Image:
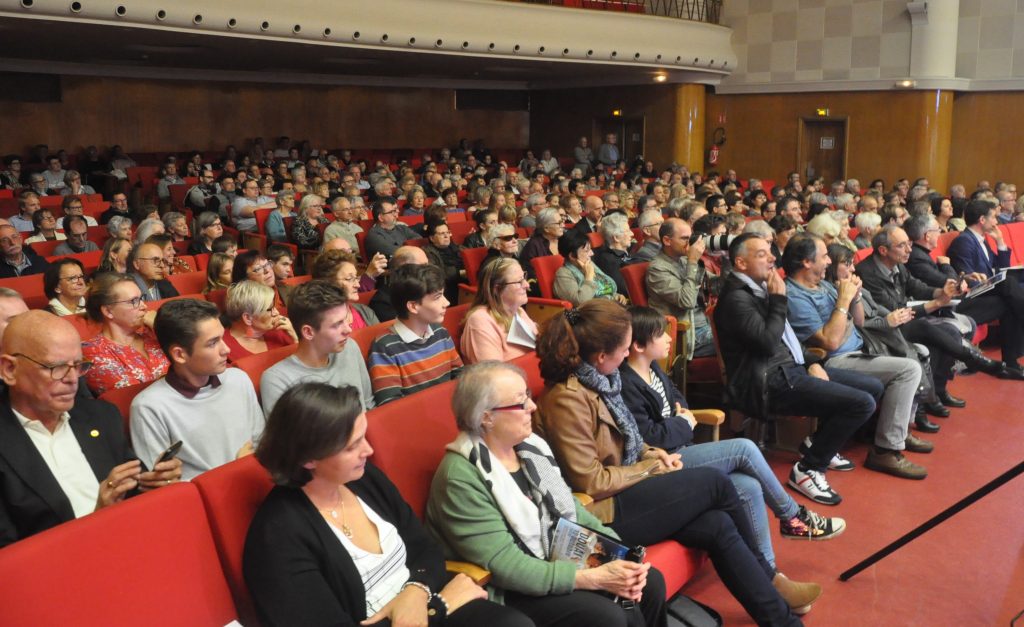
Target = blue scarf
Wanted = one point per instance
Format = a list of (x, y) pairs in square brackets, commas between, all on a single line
[(609, 388)]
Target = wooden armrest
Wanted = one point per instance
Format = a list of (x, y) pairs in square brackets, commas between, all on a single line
[(479, 575), (820, 353), (584, 499), (712, 417), (683, 326)]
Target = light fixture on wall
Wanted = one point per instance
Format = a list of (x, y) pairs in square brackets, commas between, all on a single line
[(905, 84), (660, 78)]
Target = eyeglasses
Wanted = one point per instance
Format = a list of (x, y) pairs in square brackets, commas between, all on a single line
[(215, 224), (515, 406), (263, 267), (133, 302), (60, 371), (156, 261), (387, 213), (522, 281), (73, 279), (507, 238)]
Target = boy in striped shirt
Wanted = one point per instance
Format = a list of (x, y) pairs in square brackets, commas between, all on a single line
[(417, 352)]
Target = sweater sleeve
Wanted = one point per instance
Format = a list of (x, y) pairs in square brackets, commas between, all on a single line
[(479, 342), (566, 287), (463, 512), (667, 433)]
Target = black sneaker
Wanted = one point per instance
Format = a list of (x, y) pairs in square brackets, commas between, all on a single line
[(809, 525), (837, 463)]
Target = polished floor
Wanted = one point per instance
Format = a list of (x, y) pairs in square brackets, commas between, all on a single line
[(968, 571)]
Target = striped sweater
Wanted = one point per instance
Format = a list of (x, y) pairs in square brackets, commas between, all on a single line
[(399, 368)]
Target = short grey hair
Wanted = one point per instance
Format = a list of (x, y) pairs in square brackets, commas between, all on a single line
[(114, 225), (247, 297), (307, 201), (533, 199), (613, 226), (546, 218), (146, 228), (817, 198), (6, 292), (844, 200), (648, 217), (674, 206), (882, 237), (823, 225), (867, 220), (171, 217), (496, 231), (761, 228), (475, 393)]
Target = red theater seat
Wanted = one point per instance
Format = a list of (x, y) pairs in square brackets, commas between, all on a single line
[(150, 561), (544, 268), (635, 276)]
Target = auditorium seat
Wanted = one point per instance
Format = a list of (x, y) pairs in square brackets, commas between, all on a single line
[(635, 276), (862, 254), (150, 560), (232, 494), (121, 398), (45, 249), (472, 259), (544, 269), (188, 282), (295, 280), (218, 298), (31, 289), (255, 365), (87, 329), (154, 305), (453, 318), (364, 337), (596, 239)]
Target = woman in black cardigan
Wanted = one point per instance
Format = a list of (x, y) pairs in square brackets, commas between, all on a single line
[(664, 421), (332, 509)]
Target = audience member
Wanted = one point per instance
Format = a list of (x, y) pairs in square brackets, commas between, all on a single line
[(118, 207), (18, 260), (28, 205), (768, 372), (381, 301), (148, 227), (44, 228), (674, 279), (579, 279), (243, 207), (416, 352), (477, 511), (116, 252), (149, 269), (211, 408), (593, 208), (387, 233), (445, 254), (618, 239), (254, 266), (254, 324), (307, 224), (218, 272), (77, 240), (319, 313), (208, 228), (496, 326), (65, 284), (642, 492), (339, 267), (72, 206), (125, 352), (344, 225), (650, 222), (176, 226), (316, 451)]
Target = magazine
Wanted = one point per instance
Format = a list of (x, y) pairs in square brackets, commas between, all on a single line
[(587, 548), (987, 285)]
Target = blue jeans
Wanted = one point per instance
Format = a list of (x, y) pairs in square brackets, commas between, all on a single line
[(754, 480), (841, 404)]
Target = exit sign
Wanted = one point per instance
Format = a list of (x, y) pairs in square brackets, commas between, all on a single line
[(821, 112)]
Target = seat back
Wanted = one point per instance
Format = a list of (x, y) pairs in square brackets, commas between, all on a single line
[(453, 318), (410, 462), (188, 282), (122, 398), (96, 568), (232, 494), (45, 249), (218, 298), (862, 254), (255, 365), (31, 289), (364, 337), (635, 276), (942, 245), (544, 269), (596, 239), (296, 280), (472, 259), (154, 305)]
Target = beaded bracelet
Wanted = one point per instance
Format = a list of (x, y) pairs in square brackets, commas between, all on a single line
[(422, 586)]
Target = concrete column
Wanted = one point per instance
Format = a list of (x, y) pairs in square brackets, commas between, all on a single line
[(688, 135), (934, 137), (933, 38)]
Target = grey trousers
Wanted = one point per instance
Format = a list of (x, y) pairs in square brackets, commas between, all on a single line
[(901, 377)]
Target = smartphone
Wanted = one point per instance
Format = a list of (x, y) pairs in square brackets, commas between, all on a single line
[(169, 454)]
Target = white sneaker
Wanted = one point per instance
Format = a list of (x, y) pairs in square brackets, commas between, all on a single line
[(813, 485), (837, 463)]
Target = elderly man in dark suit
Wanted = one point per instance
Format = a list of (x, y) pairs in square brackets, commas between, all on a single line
[(61, 457)]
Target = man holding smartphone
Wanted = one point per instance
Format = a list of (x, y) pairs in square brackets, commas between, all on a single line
[(61, 457)]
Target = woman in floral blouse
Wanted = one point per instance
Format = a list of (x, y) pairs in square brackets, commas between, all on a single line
[(125, 351), (305, 230)]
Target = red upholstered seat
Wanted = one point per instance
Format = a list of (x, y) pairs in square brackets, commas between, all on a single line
[(255, 365), (45, 249), (31, 289), (472, 259), (635, 276), (544, 268), (232, 493), (364, 337), (453, 318), (122, 398), (862, 254), (188, 282), (147, 561)]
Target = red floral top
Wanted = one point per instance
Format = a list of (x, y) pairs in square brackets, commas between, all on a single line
[(116, 366)]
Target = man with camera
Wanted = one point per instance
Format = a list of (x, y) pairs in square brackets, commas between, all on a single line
[(674, 278)]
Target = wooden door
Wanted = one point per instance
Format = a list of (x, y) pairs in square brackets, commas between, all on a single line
[(822, 148), (630, 133)]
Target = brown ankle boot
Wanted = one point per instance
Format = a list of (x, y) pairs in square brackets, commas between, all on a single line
[(799, 596)]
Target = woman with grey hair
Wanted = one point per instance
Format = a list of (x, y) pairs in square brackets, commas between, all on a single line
[(478, 512), (305, 230), (502, 241), (149, 226), (208, 228), (255, 325), (120, 226), (615, 253), (761, 228), (275, 221), (544, 241), (867, 223)]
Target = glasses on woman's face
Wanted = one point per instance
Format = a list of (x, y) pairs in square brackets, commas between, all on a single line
[(75, 278), (266, 266), (521, 281), (132, 302), (520, 406), (507, 238)]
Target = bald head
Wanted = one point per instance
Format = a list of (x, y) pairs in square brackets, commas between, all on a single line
[(32, 331), (338, 243), (39, 337), (10, 306), (408, 254), (148, 262), (594, 208)]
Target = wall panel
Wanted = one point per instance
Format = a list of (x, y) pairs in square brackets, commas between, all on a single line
[(154, 116), (987, 138), (889, 137)]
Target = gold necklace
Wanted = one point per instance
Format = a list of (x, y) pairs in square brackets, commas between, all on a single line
[(333, 511)]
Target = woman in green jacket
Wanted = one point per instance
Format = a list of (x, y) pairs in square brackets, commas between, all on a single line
[(495, 501)]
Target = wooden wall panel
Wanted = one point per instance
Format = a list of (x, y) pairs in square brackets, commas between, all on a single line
[(890, 132), (558, 118), (987, 138), (153, 116)]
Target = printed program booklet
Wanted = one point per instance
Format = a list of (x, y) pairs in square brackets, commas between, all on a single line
[(587, 548)]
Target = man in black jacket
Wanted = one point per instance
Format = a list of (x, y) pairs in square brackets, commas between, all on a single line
[(768, 371), (61, 457), (18, 258)]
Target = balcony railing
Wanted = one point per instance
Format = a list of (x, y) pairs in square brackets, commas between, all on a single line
[(709, 11)]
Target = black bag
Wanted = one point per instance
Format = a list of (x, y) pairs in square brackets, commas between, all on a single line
[(686, 612)]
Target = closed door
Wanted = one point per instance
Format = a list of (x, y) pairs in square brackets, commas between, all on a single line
[(822, 149), (629, 134)]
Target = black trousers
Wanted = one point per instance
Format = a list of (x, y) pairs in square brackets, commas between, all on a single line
[(483, 612), (585, 608), (1006, 304), (945, 344), (699, 507)]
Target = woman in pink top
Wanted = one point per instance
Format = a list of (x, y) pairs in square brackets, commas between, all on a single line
[(339, 267), (498, 311), (125, 351), (256, 325)]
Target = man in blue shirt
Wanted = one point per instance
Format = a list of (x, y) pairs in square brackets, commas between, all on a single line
[(826, 317)]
